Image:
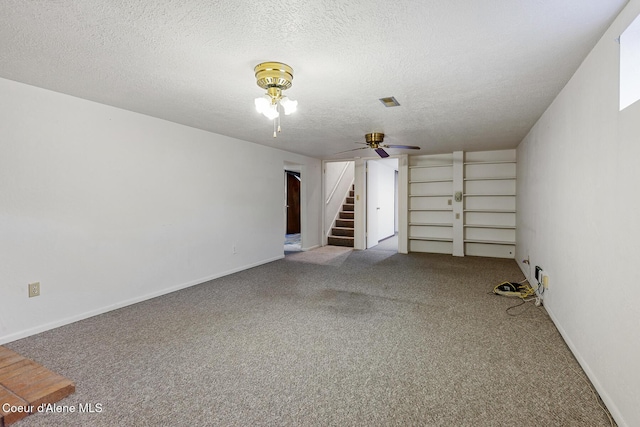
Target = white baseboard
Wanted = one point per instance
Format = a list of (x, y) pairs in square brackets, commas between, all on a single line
[(72, 319), (615, 413)]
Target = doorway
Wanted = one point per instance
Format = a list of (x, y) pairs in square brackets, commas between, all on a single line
[(293, 235), (382, 204)]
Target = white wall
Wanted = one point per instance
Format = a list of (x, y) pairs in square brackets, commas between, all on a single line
[(105, 207), (579, 219)]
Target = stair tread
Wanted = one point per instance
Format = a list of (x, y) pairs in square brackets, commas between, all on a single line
[(341, 241), (342, 231)]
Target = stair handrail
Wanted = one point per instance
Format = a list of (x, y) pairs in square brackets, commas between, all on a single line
[(335, 186)]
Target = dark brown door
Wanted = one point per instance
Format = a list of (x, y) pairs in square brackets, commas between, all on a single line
[(293, 202)]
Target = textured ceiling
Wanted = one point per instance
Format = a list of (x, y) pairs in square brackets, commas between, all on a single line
[(469, 74)]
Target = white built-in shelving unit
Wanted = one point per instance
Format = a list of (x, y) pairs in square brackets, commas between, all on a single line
[(490, 203), (430, 204), (488, 206)]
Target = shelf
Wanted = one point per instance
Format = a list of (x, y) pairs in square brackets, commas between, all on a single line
[(432, 239), (489, 191), (490, 242), (503, 227), (432, 166), (491, 178), (422, 181), (494, 162), (431, 224), (491, 210), (489, 195)]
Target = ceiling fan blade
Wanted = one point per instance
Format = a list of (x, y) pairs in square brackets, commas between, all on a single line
[(381, 153), (355, 149), (406, 147)]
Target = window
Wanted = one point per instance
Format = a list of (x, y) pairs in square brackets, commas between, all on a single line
[(630, 64)]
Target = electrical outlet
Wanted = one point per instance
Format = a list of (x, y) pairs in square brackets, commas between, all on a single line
[(34, 289), (538, 274), (234, 249)]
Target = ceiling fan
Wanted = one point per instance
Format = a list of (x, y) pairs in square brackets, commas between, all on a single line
[(374, 141)]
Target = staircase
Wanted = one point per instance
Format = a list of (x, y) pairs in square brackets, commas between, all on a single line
[(342, 231)]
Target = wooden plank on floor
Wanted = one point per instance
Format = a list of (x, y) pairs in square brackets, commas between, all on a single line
[(29, 384), (8, 357), (15, 370), (50, 389), (8, 417), (29, 375)]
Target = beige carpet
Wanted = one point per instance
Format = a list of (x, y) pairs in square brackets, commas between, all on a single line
[(358, 338), (326, 255)]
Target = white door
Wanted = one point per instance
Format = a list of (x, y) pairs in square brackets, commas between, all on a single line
[(373, 208), (386, 197)]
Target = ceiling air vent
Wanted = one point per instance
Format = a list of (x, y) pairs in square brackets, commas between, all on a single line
[(390, 102)]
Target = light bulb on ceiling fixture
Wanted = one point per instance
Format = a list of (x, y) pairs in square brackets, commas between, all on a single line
[(262, 103), (271, 112), (289, 105), (274, 77), (266, 107)]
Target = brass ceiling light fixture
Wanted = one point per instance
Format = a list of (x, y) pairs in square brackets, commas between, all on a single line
[(275, 77), (374, 140)]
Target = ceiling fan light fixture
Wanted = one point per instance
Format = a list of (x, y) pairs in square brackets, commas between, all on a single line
[(374, 138), (262, 103), (265, 107), (274, 77), (290, 106), (273, 74)]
